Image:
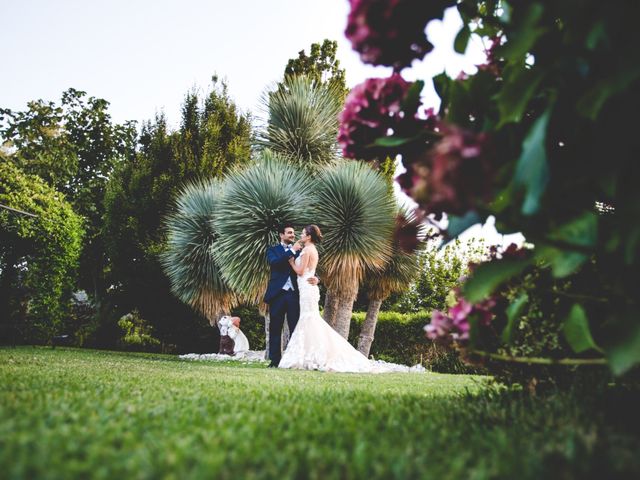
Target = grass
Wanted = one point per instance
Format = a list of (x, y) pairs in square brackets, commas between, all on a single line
[(68, 413)]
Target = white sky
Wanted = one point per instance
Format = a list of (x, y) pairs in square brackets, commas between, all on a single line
[(143, 56)]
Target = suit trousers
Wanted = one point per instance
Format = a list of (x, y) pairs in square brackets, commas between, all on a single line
[(287, 302)]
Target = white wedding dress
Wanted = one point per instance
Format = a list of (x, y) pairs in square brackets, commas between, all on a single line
[(315, 345)]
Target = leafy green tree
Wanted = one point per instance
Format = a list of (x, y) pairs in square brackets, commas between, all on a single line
[(36, 142), (440, 270), (39, 253), (213, 137), (321, 66), (74, 147)]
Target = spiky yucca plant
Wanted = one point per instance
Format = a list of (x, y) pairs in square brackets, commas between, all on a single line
[(257, 200), (395, 277), (188, 259), (302, 123), (356, 213)]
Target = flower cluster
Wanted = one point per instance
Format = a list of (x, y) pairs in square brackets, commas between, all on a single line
[(512, 252), (455, 325), (453, 176), (392, 32), (371, 110)]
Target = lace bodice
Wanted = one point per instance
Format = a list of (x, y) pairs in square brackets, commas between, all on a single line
[(308, 272), (309, 294)]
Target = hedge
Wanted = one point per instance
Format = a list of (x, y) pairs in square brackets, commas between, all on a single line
[(399, 338)]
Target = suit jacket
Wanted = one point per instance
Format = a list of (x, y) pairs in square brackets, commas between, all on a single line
[(278, 259)]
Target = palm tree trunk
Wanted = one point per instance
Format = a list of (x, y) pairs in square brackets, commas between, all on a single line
[(266, 334), (284, 339), (330, 308), (369, 327), (344, 311)]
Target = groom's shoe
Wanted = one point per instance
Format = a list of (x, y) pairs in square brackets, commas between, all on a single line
[(273, 365)]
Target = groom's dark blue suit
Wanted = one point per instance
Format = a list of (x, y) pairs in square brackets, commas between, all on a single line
[(281, 302)]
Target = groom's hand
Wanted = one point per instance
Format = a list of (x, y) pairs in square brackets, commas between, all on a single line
[(313, 280)]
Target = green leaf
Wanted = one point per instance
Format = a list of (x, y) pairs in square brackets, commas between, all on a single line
[(411, 100), (462, 39), (625, 353), (488, 276), (532, 170), (525, 35), (514, 311), (592, 102), (392, 141), (441, 84), (582, 231), (460, 103), (520, 84), (576, 330), (562, 262), (597, 35), (503, 199), (457, 225), (631, 246), (468, 9)]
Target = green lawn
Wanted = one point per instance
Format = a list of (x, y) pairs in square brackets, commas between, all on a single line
[(69, 413)]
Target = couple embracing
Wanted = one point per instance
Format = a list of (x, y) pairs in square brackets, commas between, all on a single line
[(293, 292)]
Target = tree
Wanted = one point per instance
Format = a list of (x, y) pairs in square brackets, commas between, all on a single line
[(74, 147), (212, 139), (394, 277), (39, 253), (256, 202), (303, 122), (356, 214), (189, 259), (321, 66)]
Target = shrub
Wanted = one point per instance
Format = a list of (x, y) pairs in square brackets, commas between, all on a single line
[(83, 320), (400, 339), (440, 271), (520, 333), (38, 256), (537, 331), (138, 334)]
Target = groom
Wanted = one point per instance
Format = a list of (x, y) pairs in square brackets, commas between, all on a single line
[(282, 292)]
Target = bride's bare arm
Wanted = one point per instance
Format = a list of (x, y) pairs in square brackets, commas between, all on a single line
[(304, 262)]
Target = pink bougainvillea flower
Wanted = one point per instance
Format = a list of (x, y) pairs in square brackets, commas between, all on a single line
[(440, 326), (453, 176), (392, 32), (371, 110), (455, 324)]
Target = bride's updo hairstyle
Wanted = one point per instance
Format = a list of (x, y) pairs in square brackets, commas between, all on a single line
[(314, 232)]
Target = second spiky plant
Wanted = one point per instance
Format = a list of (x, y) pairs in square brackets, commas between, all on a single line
[(189, 260)]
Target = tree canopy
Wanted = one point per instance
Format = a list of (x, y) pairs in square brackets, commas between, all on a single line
[(39, 255)]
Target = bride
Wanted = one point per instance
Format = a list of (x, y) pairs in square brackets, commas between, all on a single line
[(314, 344)]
